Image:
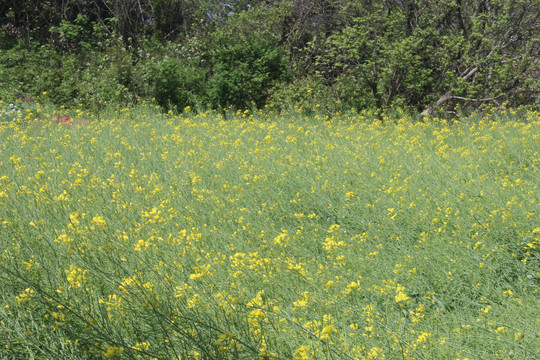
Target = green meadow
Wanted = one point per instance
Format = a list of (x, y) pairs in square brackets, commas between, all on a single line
[(139, 235)]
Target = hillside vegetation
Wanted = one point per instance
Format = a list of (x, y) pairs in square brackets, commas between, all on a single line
[(424, 56)]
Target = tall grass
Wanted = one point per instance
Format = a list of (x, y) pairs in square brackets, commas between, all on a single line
[(141, 235)]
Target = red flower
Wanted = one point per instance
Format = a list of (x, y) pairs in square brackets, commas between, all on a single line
[(66, 120)]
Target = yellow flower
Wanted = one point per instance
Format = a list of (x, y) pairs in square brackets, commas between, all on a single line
[(303, 353), (199, 272), (141, 346), (302, 303), (486, 309), (376, 353), (99, 221), (75, 276), (327, 331), (256, 313), (112, 351), (401, 297)]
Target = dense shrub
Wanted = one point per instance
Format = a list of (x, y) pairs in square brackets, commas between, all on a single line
[(174, 85), (245, 67), (304, 94)]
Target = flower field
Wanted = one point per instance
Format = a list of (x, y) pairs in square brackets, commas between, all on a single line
[(139, 235)]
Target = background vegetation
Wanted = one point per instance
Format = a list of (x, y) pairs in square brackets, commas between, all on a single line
[(339, 54)]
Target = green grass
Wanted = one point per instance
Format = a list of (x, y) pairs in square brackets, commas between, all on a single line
[(142, 235)]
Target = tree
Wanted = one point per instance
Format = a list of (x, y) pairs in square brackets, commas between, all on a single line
[(491, 51), (427, 54)]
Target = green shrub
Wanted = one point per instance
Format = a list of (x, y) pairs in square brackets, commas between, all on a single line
[(169, 79), (244, 70), (303, 95)]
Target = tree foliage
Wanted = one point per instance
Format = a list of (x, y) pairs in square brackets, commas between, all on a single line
[(363, 54)]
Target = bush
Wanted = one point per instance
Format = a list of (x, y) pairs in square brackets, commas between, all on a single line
[(312, 93), (244, 70), (169, 84), (303, 94)]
